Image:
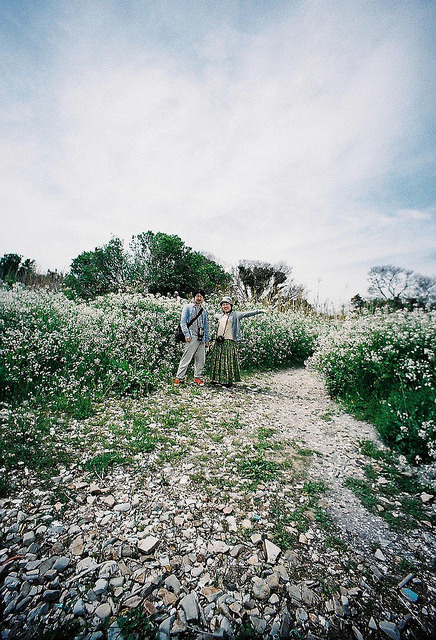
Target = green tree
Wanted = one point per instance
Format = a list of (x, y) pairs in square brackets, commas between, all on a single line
[(94, 273), (14, 268), (164, 264)]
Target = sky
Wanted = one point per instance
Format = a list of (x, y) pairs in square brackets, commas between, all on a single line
[(272, 130)]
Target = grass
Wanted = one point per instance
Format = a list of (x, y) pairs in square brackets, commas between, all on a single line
[(314, 487), (100, 464), (372, 450), (302, 517), (258, 470), (230, 426), (27, 437), (136, 625), (4, 487)]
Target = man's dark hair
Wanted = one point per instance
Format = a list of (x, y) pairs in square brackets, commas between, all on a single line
[(200, 291)]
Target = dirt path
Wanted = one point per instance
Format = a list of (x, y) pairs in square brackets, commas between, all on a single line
[(296, 404)]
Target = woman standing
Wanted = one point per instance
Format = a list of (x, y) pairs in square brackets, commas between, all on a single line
[(224, 365)]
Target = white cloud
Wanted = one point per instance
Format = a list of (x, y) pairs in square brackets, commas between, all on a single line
[(416, 214), (267, 147)]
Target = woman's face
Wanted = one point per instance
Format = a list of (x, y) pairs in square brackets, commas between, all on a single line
[(226, 307)]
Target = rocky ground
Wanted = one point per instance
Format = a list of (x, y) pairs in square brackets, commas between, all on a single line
[(215, 513)]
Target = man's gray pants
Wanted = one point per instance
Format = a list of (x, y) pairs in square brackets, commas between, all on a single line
[(194, 349)]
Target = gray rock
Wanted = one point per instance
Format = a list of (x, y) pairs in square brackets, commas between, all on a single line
[(50, 576), (280, 571), (51, 595), (133, 601), (11, 606), (148, 545), (218, 546), (47, 566), (117, 582), (196, 572), (272, 551), (211, 593), (357, 633), (261, 590), (22, 604), (100, 587), (189, 605), (108, 569), (123, 507), (114, 632), (426, 497), (390, 629), (301, 615), (165, 628), (103, 611), (407, 579), (236, 550), (77, 546), (372, 624), (28, 538), (12, 583), (38, 612), (79, 608), (273, 581), (258, 623), (172, 583), (61, 564), (376, 571), (86, 564)]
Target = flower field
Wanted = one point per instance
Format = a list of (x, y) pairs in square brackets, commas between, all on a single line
[(59, 351), (382, 366), (63, 356)]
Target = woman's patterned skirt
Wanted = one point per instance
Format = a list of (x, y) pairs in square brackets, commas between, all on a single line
[(223, 363)]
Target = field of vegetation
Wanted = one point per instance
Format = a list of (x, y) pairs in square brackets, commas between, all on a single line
[(60, 357)]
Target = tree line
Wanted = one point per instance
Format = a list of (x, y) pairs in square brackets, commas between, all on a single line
[(158, 263), (163, 264)]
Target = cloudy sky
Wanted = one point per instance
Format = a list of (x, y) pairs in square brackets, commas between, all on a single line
[(275, 130)]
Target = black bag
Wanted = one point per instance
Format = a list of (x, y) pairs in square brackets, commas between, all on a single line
[(179, 335)]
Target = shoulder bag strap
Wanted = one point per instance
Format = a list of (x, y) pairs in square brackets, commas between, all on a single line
[(192, 320)]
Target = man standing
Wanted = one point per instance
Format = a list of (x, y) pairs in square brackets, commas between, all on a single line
[(195, 328)]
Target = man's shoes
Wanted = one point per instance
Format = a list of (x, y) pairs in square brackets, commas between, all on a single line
[(199, 382), (178, 381)]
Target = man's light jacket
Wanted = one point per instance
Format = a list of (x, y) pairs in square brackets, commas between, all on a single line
[(189, 311)]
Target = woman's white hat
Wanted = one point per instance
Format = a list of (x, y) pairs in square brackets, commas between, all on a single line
[(227, 299)]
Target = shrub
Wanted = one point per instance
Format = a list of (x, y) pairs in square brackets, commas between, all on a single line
[(275, 340), (383, 367)]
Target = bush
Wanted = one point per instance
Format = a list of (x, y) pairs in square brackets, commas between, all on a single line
[(62, 352), (383, 367), (274, 340)]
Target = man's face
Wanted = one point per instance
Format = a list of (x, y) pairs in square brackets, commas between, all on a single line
[(198, 298)]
